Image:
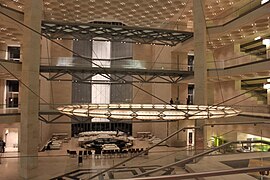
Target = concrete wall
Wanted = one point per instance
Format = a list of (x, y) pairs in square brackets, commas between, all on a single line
[(228, 131), (61, 91), (228, 90)]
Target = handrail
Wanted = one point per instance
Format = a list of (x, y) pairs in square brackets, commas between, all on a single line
[(183, 161), (234, 17), (208, 174), (189, 159)]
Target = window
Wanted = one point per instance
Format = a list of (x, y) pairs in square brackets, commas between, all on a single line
[(190, 62), (190, 94), (13, 53), (12, 93)]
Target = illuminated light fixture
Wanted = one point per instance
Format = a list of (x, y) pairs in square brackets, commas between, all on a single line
[(264, 1), (267, 85), (148, 111), (257, 38), (266, 42)]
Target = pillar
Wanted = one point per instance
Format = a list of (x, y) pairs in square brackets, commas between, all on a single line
[(3, 50), (200, 66), (29, 136)]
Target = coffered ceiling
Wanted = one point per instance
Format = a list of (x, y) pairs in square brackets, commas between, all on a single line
[(172, 14), (154, 13)]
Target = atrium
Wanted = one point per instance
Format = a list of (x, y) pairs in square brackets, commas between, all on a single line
[(129, 89)]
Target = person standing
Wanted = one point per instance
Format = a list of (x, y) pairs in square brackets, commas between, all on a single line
[(177, 102), (2, 146), (171, 101)]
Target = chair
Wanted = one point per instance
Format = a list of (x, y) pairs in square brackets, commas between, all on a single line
[(105, 153), (80, 160), (97, 153), (85, 154), (125, 152), (73, 153), (117, 153), (89, 153), (80, 153)]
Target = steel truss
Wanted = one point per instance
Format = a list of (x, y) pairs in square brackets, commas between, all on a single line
[(112, 75), (110, 32)]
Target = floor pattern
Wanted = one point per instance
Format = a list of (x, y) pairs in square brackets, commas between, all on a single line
[(121, 172)]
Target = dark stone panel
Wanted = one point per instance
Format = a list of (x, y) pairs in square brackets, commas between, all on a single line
[(121, 93), (81, 93)]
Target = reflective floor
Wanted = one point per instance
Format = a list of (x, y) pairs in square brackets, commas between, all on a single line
[(54, 164), (57, 164)]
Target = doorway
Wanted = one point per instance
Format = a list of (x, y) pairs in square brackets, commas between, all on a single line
[(190, 137), (11, 138)]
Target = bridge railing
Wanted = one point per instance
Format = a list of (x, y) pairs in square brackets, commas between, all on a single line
[(124, 62)]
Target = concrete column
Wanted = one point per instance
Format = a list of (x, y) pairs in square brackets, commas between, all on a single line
[(3, 49), (200, 66), (29, 136)]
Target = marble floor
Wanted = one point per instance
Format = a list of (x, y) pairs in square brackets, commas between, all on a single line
[(54, 164)]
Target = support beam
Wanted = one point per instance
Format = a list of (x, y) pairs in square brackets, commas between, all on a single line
[(200, 68), (29, 90)]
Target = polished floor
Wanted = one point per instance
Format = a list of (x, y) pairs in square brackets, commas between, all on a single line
[(54, 164)]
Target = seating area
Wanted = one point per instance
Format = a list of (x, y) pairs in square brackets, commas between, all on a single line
[(55, 143), (106, 153), (94, 135)]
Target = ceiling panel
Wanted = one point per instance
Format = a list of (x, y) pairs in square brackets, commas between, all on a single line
[(151, 13)]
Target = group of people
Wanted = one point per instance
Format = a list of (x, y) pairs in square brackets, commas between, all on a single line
[(2, 146), (177, 102)]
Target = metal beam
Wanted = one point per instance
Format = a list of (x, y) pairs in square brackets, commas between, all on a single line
[(118, 33), (124, 75)]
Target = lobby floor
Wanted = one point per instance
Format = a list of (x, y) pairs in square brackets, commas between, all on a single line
[(56, 163)]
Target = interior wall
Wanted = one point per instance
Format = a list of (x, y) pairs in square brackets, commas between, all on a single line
[(229, 89), (228, 131), (3, 127), (121, 93), (145, 53), (61, 91), (81, 92)]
